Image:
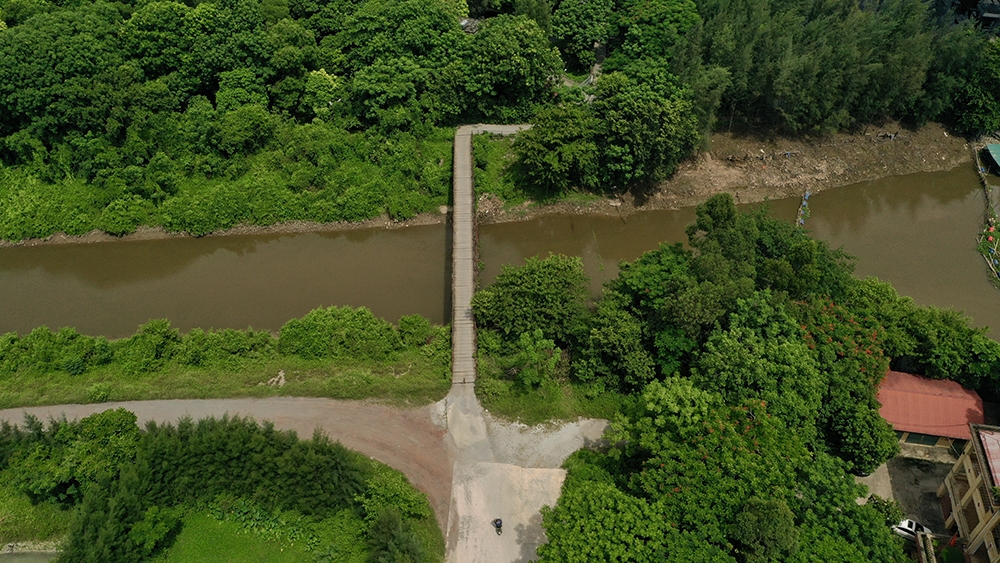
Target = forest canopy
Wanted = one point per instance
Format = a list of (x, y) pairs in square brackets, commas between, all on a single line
[(746, 367), (198, 116)]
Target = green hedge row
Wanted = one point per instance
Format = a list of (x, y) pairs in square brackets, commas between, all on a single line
[(335, 332)]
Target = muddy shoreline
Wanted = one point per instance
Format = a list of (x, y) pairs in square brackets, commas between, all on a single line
[(752, 169)]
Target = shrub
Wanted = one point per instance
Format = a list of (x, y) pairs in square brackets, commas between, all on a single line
[(147, 350), (390, 489), (43, 350), (122, 216), (339, 332), (548, 294), (414, 330)]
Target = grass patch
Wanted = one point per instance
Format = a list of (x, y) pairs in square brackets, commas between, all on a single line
[(579, 198), (207, 539), (412, 378), (22, 521), (555, 399), (493, 156)]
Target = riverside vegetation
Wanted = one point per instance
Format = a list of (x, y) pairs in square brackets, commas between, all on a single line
[(129, 495), (199, 116), (337, 352), (741, 378)]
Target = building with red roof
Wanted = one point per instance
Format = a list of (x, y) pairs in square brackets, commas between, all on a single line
[(928, 411)]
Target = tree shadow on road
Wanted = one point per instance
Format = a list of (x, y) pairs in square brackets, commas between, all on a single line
[(530, 535)]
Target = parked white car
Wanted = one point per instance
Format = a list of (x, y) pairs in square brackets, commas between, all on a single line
[(908, 529)]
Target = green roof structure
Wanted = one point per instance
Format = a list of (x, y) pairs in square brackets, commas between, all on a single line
[(994, 151)]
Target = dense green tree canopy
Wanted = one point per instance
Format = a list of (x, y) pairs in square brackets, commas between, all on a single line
[(200, 117), (693, 477), (547, 294), (747, 367)]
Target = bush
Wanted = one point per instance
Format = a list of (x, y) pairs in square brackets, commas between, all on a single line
[(414, 330), (122, 216), (339, 332), (548, 294), (225, 347), (390, 489), (147, 350), (45, 351)]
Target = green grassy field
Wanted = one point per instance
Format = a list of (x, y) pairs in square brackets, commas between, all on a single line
[(412, 378), (206, 539), (22, 521), (556, 399)]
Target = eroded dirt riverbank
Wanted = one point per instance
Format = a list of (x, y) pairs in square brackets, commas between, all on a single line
[(755, 169), (752, 169)]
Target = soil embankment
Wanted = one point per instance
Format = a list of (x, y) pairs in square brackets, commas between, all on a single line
[(756, 169), (752, 169)]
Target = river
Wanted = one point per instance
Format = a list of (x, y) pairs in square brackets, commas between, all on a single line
[(916, 231)]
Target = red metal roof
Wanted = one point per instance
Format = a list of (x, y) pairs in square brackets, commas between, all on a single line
[(938, 407)]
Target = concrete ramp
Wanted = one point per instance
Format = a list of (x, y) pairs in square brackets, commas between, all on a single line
[(482, 491)]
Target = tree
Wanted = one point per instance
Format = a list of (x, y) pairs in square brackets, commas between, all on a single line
[(613, 352), (155, 36), (762, 356), (866, 439), (534, 363), (322, 92), (579, 25), (425, 31), (548, 294), (510, 67), (849, 352), (979, 105), (596, 522), (238, 88), (48, 69), (765, 531), (538, 10), (559, 153), (652, 30), (393, 540), (78, 456), (647, 128), (387, 93)]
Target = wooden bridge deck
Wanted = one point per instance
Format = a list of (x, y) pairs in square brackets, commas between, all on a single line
[(463, 325)]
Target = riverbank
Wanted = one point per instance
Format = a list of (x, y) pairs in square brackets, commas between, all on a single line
[(757, 169), (752, 169)]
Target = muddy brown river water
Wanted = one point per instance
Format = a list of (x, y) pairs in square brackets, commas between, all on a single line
[(916, 231)]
